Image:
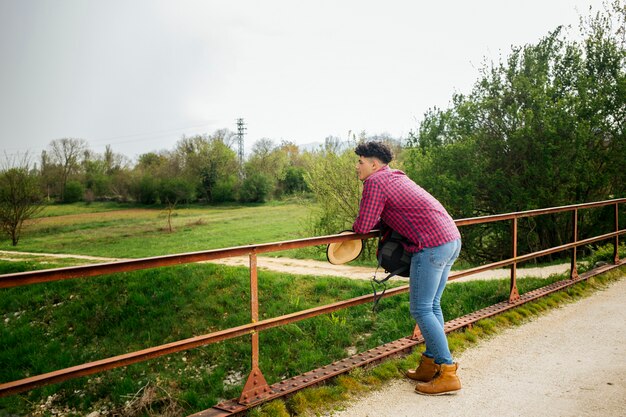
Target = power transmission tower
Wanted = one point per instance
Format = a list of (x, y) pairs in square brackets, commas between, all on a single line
[(240, 132)]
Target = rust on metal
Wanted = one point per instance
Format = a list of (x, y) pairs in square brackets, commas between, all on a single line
[(307, 379), (573, 265), (616, 242), (84, 271), (256, 388), (514, 293), (90, 368)]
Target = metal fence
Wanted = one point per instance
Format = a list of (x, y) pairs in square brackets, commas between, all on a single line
[(256, 388)]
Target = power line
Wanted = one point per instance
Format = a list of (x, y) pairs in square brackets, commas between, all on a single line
[(240, 133)]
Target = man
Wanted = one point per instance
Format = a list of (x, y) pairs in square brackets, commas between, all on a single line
[(391, 199)]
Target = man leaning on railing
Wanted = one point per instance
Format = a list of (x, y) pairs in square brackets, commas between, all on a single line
[(392, 200)]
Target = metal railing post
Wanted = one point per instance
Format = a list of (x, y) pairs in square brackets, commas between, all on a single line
[(256, 388), (616, 243), (573, 267), (514, 293)]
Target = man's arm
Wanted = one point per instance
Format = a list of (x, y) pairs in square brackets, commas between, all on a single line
[(370, 209)]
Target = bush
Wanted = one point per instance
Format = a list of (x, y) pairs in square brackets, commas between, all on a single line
[(604, 254), (148, 191), (294, 181), (74, 191), (255, 189), (224, 190), (176, 190)]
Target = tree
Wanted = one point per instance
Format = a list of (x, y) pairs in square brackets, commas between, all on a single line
[(210, 163), (20, 200), (172, 191), (268, 159), (543, 128), (255, 188), (66, 153), (331, 177)]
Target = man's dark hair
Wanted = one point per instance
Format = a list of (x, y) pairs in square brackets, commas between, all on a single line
[(377, 150)]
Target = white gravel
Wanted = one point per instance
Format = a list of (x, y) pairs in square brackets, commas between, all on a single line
[(569, 362)]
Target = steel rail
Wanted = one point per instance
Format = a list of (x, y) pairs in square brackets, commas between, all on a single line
[(185, 344), (56, 274), (533, 255), (251, 328), (398, 347), (83, 271), (535, 212)]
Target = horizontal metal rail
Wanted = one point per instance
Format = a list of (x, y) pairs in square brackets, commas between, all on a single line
[(536, 212), (186, 344), (33, 277), (84, 271)]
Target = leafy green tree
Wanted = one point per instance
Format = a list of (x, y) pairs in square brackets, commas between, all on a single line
[(208, 161), (331, 177), (544, 128), (74, 192), (146, 189), (268, 159), (66, 154), (20, 200), (255, 188), (97, 181), (294, 181)]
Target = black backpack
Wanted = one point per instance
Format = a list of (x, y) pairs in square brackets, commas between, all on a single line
[(391, 255)]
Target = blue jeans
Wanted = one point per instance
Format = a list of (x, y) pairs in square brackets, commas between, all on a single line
[(429, 274)]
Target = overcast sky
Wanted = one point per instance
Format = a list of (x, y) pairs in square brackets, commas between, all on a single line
[(139, 74)]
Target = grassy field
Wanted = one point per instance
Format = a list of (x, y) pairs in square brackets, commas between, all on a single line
[(112, 231)]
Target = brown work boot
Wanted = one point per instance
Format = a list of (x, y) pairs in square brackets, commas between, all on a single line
[(445, 382), (425, 371)]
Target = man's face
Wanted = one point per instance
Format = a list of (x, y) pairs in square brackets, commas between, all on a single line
[(366, 167)]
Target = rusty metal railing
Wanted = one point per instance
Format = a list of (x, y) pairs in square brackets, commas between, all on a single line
[(256, 388)]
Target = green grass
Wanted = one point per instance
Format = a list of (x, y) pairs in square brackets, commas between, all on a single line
[(106, 230)]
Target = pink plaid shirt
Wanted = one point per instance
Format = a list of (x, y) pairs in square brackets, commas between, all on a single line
[(393, 198)]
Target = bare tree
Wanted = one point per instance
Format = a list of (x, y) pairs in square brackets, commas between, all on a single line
[(20, 197), (66, 153)]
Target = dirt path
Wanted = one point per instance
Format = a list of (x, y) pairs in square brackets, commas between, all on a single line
[(311, 267), (569, 362), (318, 268)]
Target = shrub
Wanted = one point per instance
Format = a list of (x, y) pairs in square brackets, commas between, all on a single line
[(74, 191), (255, 189)]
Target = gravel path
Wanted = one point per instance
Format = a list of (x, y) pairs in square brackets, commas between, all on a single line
[(317, 268), (569, 362)]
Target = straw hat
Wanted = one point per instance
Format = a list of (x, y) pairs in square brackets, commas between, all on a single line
[(346, 251)]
